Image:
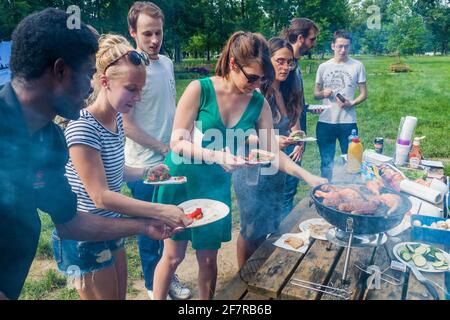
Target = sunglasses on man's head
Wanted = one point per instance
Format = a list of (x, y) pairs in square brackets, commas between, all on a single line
[(251, 78), (134, 57)]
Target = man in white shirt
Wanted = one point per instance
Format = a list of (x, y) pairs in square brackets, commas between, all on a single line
[(336, 83), (148, 126)]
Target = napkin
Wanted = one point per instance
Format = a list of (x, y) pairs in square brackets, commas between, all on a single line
[(302, 235)]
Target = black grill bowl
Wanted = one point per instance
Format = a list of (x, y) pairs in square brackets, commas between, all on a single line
[(362, 224)]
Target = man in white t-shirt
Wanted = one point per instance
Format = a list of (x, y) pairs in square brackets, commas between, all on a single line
[(148, 126), (336, 83)]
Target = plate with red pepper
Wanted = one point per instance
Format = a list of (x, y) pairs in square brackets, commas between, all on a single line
[(204, 211)]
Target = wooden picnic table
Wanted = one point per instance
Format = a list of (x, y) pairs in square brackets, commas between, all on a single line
[(268, 273)]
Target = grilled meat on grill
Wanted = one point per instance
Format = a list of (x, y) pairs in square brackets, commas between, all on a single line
[(359, 199)]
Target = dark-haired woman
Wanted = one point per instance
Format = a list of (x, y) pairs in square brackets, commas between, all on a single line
[(260, 204), (224, 108)]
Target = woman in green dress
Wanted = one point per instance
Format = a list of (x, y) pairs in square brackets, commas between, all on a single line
[(225, 108)]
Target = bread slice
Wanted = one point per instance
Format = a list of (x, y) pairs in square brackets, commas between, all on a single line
[(298, 135), (294, 242)]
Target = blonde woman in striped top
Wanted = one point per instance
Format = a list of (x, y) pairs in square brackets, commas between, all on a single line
[(96, 170)]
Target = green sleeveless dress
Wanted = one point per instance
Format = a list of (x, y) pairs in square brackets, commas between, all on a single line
[(208, 181)]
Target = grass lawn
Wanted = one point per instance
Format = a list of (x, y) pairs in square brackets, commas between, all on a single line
[(423, 93)]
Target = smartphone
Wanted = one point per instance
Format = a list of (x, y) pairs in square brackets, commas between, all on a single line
[(340, 97)]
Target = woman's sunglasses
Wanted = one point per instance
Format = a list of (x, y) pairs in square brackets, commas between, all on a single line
[(251, 78), (134, 57)]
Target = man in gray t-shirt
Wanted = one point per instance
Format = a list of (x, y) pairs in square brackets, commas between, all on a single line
[(336, 83), (148, 126)]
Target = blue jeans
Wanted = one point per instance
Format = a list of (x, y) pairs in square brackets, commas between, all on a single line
[(290, 187), (327, 134), (150, 250)]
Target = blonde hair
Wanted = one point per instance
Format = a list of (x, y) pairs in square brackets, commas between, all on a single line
[(111, 47)]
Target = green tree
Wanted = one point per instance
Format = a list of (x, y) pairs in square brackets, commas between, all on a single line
[(11, 13), (436, 14), (407, 32), (369, 21)]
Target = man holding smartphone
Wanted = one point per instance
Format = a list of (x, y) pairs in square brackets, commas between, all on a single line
[(336, 82)]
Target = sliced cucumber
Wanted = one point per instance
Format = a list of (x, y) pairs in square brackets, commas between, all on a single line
[(444, 267), (430, 257), (433, 250), (419, 260), (439, 263), (423, 249), (402, 249), (406, 256), (440, 256), (411, 248)]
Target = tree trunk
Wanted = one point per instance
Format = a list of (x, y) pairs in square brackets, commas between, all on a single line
[(178, 53), (98, 10)]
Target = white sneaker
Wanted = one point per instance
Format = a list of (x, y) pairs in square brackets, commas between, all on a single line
[(177, 290), (150, 295)]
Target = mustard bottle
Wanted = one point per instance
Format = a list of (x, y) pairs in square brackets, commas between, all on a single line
[(354, 156)]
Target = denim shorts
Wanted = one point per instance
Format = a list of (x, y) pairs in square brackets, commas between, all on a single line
[(77, 258)]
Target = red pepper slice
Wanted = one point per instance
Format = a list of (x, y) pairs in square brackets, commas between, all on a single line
[(196, 215)]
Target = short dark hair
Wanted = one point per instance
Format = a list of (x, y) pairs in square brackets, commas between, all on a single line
[(43, 37), (343, 34), (299, 26)]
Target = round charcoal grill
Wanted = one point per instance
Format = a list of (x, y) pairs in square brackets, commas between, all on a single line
[(352, 225), (363, 224)]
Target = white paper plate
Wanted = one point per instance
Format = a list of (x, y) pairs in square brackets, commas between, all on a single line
[(172, 180), (258, 163), (430, 268), (303, 235), (318, 106), (307, 224), (307, 139), (212, 210)]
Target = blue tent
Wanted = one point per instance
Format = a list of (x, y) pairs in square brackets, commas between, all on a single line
[(5, 54)]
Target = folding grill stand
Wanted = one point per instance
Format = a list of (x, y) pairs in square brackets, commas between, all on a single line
[(348, 229)]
